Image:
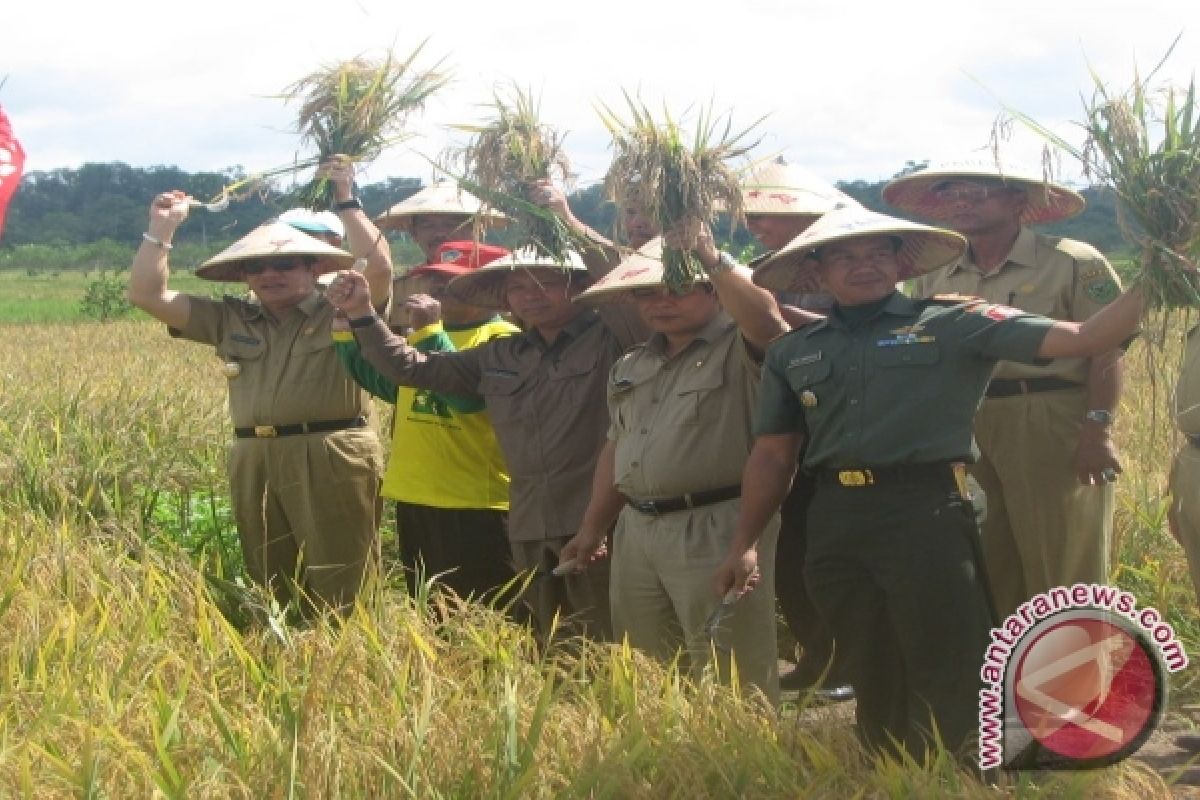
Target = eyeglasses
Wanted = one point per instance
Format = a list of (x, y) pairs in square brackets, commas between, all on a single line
[(647, 293), (972, 194), (259, 267)]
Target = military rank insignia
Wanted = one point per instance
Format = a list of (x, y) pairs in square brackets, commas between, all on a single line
[(808, 399)]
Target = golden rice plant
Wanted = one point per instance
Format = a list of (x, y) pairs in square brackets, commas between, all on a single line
[(357, 108), (505, 157), (1143, 142), (675, 179)]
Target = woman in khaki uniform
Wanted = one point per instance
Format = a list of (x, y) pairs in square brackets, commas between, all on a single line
[(305, 464)]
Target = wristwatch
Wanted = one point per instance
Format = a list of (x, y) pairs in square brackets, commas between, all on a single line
[(346, 205), (1099, 415), (725, 263), (363, 322)]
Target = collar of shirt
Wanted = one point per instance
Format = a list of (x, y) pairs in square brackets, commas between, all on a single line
[(721, 322), (572, 330), (1023, 253), (897, 305)]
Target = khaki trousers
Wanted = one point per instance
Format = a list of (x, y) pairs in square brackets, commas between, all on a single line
[(662, 595), (580, 602), (1185, 506), (1043, 528), (308, 509)]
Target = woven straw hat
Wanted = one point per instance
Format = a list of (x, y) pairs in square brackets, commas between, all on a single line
[(777, 187), (272, 240), (484, 287), (641, 269), (442, 197), (314, 222), (1046, 201), (923, 249)]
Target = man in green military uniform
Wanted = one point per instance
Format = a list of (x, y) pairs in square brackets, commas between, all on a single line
[(1047, 460), (884, 392), (305, 464), (668, 476)]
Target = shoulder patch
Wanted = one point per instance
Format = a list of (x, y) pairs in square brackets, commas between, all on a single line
[(1102, 290), (1000, 313)]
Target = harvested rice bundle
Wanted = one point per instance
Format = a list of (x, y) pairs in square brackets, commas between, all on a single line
[(505, 157), (1144, 143), (674, 179), (357, 108)]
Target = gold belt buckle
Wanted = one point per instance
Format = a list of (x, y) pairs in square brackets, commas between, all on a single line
[(960, 480), (856, 477), (265, 432)]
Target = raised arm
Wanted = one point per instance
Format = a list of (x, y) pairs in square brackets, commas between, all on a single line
[(753, 308), (363, 238), (1105, 330), (150, 271)]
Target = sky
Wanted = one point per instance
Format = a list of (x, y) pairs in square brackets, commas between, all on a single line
[(851, 90)]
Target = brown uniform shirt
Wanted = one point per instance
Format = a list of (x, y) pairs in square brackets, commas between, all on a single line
[(546, 403), (1187, 389), (287, 369), (682, 424), (1057, 278)]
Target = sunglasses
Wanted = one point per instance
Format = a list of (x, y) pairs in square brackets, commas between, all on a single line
[(259, 267), (647, 293)]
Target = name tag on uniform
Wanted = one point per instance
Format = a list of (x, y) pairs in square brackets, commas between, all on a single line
[(904, 339), (244, 339), (811, 358), (500, 373)]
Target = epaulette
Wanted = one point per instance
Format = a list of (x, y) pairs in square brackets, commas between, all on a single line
[(954, 298)]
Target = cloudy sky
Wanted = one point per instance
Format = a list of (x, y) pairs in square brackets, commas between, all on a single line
[(850, 89)]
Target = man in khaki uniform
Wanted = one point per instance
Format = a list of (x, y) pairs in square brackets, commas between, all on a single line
[(305, 464), (543, 390), (1043, 430), (669, 474), (1184, 512)]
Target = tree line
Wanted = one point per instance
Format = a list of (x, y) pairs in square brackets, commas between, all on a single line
[(93, 215)]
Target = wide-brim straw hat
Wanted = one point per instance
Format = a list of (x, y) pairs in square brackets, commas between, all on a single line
[(443, 197), (272, 240), (922, 248), (314, 222), (641, 269), (1045, 201), (484, 287), (777, 187)]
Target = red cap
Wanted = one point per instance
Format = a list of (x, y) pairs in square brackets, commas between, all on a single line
[(459, 258)]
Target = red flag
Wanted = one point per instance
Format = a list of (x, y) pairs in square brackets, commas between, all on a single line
[(12, 162)]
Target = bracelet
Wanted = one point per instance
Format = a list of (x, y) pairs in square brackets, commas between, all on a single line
[(157, 241), (346, 205), (363, 322)]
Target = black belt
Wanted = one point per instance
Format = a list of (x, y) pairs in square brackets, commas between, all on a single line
[(667, 505), (1008, 388), (325, 426), (885, 476), (1194, 438)]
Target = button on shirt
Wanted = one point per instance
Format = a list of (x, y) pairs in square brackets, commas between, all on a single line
[(287, 368), (901, 387), (1057, 278), (681, 423), (546, 403)]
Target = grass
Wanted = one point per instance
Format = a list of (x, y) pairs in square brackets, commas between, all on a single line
[(125, 673), (55, 295)]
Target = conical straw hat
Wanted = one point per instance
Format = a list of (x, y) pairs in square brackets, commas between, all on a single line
[(443, 197), (777, 187), (1046, 201), (484, 287), (641, 269), (923, 249), (272, 240)]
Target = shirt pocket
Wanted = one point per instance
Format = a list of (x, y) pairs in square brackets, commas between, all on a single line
[(698, 399), (313, 359), (810, 383), (244, 350), (499, 389)]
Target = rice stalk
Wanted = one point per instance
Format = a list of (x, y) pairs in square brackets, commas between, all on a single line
[(357, 108), (506, 156), (673, 178), (1143, 142)]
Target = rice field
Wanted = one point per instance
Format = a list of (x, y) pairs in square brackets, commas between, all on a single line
[(132, 664)]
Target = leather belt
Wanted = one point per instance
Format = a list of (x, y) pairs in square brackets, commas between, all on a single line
[(858, 477), (325, 426), (667, 505), (1194, 438), (1005, 387)]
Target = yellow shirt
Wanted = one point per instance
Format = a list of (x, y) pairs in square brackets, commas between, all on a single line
[(442, 457)]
